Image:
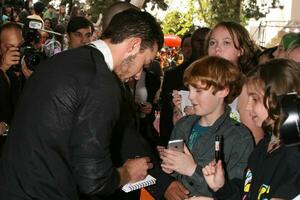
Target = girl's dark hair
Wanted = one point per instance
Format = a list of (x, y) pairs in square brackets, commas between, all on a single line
[(187, 35), (276, 77)]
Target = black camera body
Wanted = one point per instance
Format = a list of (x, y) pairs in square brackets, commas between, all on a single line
[(289, 129), (32, 56)]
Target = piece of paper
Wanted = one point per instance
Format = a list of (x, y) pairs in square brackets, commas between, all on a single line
[(184, 100)]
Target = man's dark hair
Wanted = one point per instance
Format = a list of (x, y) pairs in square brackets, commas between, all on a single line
[(10, 25), (133, 23), (78, 22), (23, 16), (38, 8)]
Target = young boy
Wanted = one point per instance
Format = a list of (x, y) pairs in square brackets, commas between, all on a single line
[(213, 83)]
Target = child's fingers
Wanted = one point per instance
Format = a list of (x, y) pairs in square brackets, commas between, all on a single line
[(206, 171), (186, 150)]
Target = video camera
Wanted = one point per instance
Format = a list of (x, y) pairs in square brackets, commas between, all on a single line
[(32, 56), (290, 130)]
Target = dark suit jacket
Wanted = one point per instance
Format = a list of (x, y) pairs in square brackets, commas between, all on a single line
[(9, 94), (6, 107), (60, 135), (6, 104), (172, 81)]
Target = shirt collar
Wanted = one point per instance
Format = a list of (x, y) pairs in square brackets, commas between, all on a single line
[(104, 49)]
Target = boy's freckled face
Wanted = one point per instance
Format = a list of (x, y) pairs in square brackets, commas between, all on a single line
[(204, 101)]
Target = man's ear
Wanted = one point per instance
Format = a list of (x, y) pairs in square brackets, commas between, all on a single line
[(134, 45)]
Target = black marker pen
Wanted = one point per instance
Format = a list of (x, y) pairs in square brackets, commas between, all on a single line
[(217, 148)]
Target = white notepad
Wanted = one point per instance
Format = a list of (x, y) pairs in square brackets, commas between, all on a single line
[(149, 180)]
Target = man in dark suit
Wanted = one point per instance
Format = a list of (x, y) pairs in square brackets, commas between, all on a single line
[(127, 140), (60, 137)]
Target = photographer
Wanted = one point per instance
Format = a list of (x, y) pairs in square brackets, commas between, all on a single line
[(10, 81), (19, 55)]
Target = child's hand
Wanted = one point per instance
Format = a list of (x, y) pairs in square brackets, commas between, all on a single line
[(166, 170), (160, 149), (189, 110), (181, 162), (176, 99), (177, 115), (214, 175)]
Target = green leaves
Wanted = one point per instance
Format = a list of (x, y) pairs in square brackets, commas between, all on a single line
[(177, 23)]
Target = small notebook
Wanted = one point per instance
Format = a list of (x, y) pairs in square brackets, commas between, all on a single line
[(149, 180)]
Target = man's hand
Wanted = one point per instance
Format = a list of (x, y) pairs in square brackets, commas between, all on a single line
[(25, 70), (160, 150), (134, 170), (10, 57), (214, 175), (176, 191)]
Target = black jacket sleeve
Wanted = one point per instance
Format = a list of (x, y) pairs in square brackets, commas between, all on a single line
[(232, 190), (97, 115)]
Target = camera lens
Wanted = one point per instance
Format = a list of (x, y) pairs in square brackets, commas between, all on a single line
[(35, 59)]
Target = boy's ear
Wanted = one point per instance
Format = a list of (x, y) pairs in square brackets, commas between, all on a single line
[(223, 93), (134, 45)]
